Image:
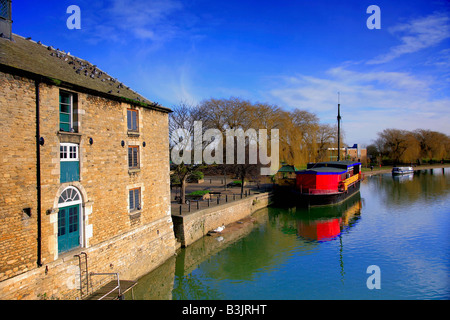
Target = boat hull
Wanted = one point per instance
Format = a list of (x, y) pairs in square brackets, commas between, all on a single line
[(328, 199), (290, 197), (398, 173), (402, 170)]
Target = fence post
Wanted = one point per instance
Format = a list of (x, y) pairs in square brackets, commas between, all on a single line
[(226, 198), (181, 208), (198, 204), (189, 206), (218, 200), (208, 202)]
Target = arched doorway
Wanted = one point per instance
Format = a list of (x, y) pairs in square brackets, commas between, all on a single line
[(69, 217)]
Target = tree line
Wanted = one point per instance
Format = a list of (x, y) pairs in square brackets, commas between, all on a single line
[(302, 138), (403, 146)]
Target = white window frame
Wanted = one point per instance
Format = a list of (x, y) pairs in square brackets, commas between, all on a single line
[(70, 108), (69, 202), (69, 152)]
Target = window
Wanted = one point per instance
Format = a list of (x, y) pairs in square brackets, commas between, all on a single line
[(69, 162), (67, 121), (134, 198), (132, 120), (133, 157), (68, 152)]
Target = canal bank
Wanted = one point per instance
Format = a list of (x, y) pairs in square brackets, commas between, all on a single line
[(192, 226), (415, 168), (288, 254)]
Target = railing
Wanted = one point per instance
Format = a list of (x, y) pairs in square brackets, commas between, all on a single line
[(351, 180), (85, 272), (216, 199), (108, 274)]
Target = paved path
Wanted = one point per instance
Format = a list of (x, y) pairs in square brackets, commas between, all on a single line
[(216, 185)]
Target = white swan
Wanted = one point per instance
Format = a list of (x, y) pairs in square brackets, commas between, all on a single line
[(219, 229)]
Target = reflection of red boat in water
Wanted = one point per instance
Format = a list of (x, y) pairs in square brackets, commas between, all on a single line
[(320, 230), (324, 228)]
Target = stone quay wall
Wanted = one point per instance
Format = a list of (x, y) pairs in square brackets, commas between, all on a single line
[(195, 225)]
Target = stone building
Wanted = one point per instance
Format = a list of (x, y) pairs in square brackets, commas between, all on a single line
[(84, 168), (356, 153)]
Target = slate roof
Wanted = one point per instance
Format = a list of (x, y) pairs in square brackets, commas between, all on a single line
[(61, 68)]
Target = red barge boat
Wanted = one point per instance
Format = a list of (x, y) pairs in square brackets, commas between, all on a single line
[(326, 183), (322, 183)]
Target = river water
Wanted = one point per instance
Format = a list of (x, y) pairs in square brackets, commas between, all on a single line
[(392, 237)]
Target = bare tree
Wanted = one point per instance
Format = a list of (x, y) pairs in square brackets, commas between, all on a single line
[(182, 127)]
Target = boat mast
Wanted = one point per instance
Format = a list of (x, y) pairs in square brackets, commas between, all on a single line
[(339, 129)]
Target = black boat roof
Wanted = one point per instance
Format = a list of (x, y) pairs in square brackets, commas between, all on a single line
[(329, 167), (336, 164)]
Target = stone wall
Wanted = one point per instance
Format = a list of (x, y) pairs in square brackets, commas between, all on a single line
[(17, 176), (193, 226), (131, 255), (116, 239)]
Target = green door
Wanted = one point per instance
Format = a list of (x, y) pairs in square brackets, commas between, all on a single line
[(68, 228)]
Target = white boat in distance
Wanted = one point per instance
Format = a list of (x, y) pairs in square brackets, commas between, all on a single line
[(402, 170)]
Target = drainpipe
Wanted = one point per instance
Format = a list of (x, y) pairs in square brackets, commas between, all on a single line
[(39, 142)]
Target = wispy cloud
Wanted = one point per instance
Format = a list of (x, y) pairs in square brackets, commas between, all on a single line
[(371, 101), (416, 35), (124, 21)]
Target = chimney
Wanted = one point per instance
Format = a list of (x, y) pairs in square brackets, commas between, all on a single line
[(5, 19)]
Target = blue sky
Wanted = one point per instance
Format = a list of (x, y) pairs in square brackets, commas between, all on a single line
[(292, 53)]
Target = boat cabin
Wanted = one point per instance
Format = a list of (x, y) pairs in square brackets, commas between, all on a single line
[(328, 177)]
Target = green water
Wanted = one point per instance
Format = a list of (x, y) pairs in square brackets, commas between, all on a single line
[(399, 224)]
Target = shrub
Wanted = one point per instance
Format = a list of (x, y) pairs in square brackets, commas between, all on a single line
[(196, 175), (198, 193)]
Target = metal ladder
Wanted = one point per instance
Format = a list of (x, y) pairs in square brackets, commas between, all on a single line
[(84, 274)]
